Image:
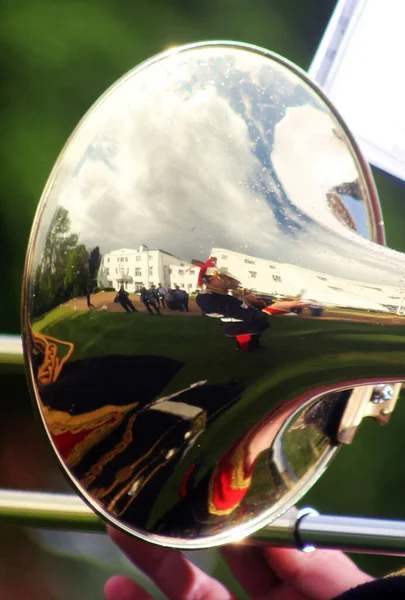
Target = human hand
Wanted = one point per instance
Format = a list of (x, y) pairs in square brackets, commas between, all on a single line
[(264, 572)]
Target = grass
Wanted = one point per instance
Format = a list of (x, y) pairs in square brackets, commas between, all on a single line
[(60, 313)]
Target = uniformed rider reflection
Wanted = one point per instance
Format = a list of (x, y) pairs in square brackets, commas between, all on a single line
[(242, 313), (224, 489)]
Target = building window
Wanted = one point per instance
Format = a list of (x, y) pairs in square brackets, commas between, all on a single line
[(252, 274), (138, 272), (127, 271), (272, 266), (322, 278), (138, 258), (224, 256), (182, 285), (116, 270), (126, 259), (277, 278), (107, 272), (170, 271), (108, 259), (189, 285), (249, 262), (192, 272), (150, 270), (181, 271)]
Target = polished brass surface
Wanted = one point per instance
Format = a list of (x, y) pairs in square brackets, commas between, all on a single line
[(203, 291)]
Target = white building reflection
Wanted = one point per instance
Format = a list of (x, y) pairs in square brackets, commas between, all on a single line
[(143, 267), (146, 267)]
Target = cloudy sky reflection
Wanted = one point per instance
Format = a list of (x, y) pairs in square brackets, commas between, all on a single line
[(215, 147)]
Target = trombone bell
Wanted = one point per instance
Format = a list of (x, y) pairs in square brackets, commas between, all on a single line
[(209, 311)]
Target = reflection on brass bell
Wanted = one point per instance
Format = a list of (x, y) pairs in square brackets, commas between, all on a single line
[(205, 314)]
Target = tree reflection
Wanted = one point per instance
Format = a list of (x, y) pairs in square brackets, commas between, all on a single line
[(66, 269)]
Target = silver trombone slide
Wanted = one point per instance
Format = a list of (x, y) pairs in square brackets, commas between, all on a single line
[(11, 352), (304, 529)]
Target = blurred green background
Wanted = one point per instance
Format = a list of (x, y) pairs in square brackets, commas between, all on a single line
[(57, 58)]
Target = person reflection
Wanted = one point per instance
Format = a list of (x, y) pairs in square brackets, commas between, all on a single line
[(232, 476), (243, 315), (170, 299), (149, 301), (126, 471), (162, 291), (122, 298), (155, 295), (89, 412), (90, 306), (181, 299), (220, 493)]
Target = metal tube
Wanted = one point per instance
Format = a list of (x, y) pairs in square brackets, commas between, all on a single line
[(47, 511), (353, 534), (11, 352), (303, 529), (307, 530)]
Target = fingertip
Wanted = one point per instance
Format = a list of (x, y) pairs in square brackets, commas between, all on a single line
[(114, 587)]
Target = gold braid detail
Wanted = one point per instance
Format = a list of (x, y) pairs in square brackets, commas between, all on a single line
[(400, 572), (52, 365), (239, 480)]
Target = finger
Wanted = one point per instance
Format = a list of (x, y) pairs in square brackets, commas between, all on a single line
[(176, 576), (123, 588), (252, 570), (319, 575)]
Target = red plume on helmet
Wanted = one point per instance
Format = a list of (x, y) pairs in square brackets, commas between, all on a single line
[(211, 262)]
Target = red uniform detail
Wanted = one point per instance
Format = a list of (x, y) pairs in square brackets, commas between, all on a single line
[(211, 262), (225, 497), (183, 489), (67, 441), (243, 341), (269, 310), (231, 479)]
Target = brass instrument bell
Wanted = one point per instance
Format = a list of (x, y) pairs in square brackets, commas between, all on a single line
[(180, 413)]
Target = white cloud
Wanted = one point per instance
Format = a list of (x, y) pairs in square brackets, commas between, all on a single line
[(168, 159)]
